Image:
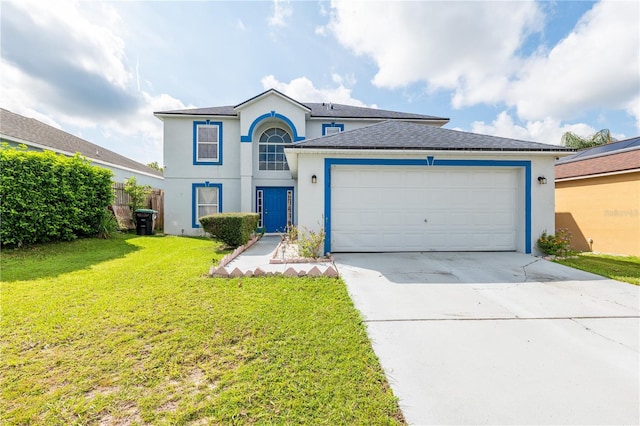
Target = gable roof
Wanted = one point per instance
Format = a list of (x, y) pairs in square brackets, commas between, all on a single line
[(616, 157), (20, 129), (319, 110), (402, 135), (265, 94)]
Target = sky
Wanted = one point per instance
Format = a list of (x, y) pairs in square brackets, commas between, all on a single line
[(528, 70)]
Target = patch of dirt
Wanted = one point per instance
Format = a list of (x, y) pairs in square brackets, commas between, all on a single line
[(126, 415), (168, 406), (289, 252), (102, 390)]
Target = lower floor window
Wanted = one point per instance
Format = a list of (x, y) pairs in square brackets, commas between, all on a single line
[(206, 200)]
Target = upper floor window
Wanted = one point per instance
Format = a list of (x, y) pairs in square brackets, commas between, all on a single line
[(207, 142), (332, 128), (271, 149)]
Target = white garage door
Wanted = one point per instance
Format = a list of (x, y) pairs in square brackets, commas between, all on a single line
[(389, 208)]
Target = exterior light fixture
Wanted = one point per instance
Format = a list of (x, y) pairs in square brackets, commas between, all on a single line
[(542, 180), (314, 179)]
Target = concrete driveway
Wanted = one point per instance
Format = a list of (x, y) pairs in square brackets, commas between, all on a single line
[(499, 338)]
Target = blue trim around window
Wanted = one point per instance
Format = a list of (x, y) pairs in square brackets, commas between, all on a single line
[(332, 124), (194, 206), (195, 143), (272, 114), (430, 161)]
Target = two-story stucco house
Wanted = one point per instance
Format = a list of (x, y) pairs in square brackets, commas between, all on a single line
[(375, 180)]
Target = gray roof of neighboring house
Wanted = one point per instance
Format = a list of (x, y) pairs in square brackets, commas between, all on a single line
[(405, 135), (317, 110), (602, 150), (31, 130)]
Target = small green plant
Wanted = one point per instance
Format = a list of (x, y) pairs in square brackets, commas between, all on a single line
[(137, 195), (292, 233), (555, 245), (108, 225), (311, 242)]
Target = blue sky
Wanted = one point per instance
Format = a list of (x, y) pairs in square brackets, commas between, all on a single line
[(522, 69)]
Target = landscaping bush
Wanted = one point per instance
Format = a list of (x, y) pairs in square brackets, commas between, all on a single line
[(234, 229), (555, 245), (50, 197)]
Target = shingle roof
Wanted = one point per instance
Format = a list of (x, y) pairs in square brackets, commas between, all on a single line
[(405, 135), (31, 130), (317, 110), (610, 158), (600, 150)]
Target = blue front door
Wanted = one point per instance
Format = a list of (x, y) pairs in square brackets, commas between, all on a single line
[(274, 204)]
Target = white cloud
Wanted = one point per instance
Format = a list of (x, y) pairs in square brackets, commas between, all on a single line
[(548, 130), (55, 90), (474, 50), (302, 89), (596, 66), (281, 11), (240, 25), (450, 45)]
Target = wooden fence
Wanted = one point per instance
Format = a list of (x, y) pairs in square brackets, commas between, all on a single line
[(155, 201)]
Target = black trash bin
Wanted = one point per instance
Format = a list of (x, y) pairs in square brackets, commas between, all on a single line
[(144, 221)]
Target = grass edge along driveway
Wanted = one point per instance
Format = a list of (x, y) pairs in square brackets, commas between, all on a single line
[(130, 331), (621, 268)]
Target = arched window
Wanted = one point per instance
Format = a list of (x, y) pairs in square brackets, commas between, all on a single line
[(271, 149)]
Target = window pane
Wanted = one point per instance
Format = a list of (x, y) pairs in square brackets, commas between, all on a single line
[(207, 210), (208, 195), (208, 134), (271, 149), (208, 150)]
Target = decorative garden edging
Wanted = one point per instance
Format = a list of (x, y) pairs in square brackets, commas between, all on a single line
[(222, 272), (229, 257), (324, 266)]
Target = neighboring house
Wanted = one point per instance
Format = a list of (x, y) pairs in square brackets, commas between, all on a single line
[(598, 197), (17, 129), (375, 180)]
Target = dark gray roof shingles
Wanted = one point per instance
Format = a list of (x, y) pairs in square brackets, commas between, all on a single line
[(404, 135), (318, 110), (603, 150), (31, 130)]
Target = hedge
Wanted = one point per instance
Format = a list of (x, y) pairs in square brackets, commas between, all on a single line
[(50, 197), (234, 229)]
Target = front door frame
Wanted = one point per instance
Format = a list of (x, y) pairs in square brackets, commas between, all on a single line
[(284, 210)]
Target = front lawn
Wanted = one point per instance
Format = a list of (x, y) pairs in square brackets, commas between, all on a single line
[(130, 331), (621, 268)]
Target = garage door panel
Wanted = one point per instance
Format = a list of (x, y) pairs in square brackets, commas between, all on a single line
[(392, 208)]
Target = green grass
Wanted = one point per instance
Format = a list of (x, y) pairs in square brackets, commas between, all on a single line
[(130, 331), (621, 268)]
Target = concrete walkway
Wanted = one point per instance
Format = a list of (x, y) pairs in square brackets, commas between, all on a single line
[(499, 338), (259, 257)]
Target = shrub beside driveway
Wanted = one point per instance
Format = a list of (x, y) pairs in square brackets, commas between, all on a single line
[(131, 331)]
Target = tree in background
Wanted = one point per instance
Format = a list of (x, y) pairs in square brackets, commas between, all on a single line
[(601, 137), (137, 195), (155, 166)]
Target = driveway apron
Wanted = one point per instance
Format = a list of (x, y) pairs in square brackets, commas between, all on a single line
[(499, 338)]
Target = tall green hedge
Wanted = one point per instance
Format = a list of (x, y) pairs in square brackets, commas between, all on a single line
[(50, 197)]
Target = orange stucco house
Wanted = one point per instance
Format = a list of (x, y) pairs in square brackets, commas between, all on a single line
[(598, 197)]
